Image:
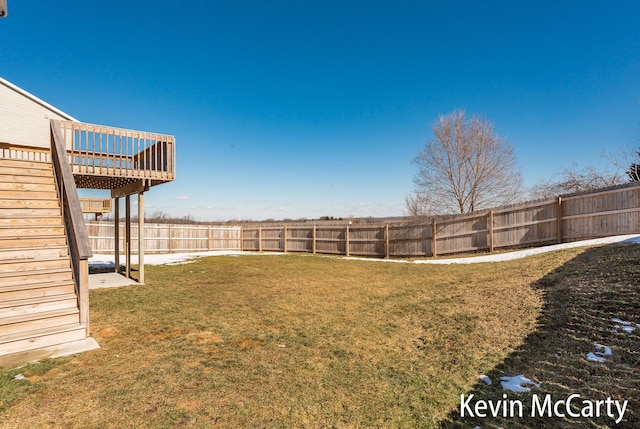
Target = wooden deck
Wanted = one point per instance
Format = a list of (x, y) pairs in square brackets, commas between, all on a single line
[(104, 157)]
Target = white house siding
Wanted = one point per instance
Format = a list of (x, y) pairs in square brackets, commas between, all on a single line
[(24, 119)]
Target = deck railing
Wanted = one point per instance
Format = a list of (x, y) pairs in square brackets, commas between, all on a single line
[(96, 205), (107, 151), (76, 230)]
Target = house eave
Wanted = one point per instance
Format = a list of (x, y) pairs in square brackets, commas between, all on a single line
[(37, 100)]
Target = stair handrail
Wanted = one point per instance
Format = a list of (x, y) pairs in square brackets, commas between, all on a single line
[(77, 235)]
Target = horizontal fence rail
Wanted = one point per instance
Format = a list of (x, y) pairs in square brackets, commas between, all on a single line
[(606, 212)]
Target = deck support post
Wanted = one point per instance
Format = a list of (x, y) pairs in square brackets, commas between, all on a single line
[(116, 234), (127, 235), (141, 237)]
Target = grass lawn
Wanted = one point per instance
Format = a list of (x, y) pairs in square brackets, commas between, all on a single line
[(283, 341)]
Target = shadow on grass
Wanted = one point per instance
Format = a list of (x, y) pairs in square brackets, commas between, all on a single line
[(580, 300)]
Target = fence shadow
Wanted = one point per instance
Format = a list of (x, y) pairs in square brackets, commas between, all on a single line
[(580, 300)]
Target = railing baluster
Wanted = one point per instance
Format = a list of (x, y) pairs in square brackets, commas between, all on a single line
[(93, 151)]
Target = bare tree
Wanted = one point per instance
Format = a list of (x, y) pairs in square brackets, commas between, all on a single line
[(465, 167), (627, 160), (576, 179), (418, 205)]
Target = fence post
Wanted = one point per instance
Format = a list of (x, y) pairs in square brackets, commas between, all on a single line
[(346, 241), (386, 241), (209, 239), (434, 246), (490, 231), (170, 240), (284, 239), (315, 235), (559, 218), (260, 239)]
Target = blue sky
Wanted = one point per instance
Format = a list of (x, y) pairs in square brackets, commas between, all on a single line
[(299, 109)]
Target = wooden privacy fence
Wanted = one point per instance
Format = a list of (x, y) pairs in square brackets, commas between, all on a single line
[(575, 217), (165, 238)]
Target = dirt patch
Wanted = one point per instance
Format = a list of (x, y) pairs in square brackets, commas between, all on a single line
[(46, 376), (205, 337), (107, 332), (189, 405), (249, 343)]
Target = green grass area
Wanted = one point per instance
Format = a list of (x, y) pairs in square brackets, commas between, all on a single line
[(281, 341)]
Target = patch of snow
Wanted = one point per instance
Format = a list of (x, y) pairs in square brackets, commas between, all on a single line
[(530, 252), (486, 379), (107, 261), (185, 258), (627, 327), (599, 356), (634, 240), (392, 261), (515, 384), (19, 377), (593, 357), (622, 322)]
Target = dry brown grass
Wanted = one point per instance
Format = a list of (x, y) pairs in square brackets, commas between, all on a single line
[(301, 341)]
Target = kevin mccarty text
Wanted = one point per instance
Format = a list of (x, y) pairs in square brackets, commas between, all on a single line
[(543, 406)]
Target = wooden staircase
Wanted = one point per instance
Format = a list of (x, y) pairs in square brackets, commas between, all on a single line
[(38, 301)]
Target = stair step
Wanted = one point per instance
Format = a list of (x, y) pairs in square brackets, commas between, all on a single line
[(14, 325), (38, 203), (33, 306), (35, 290), (11, 256), (40, 338), (31, 221), (34, 242), (26, 178), (25, 165), (30, 231), (22, 187), (31, 194), (14, 278), (29, 172), (35, 264), (29, 212)]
